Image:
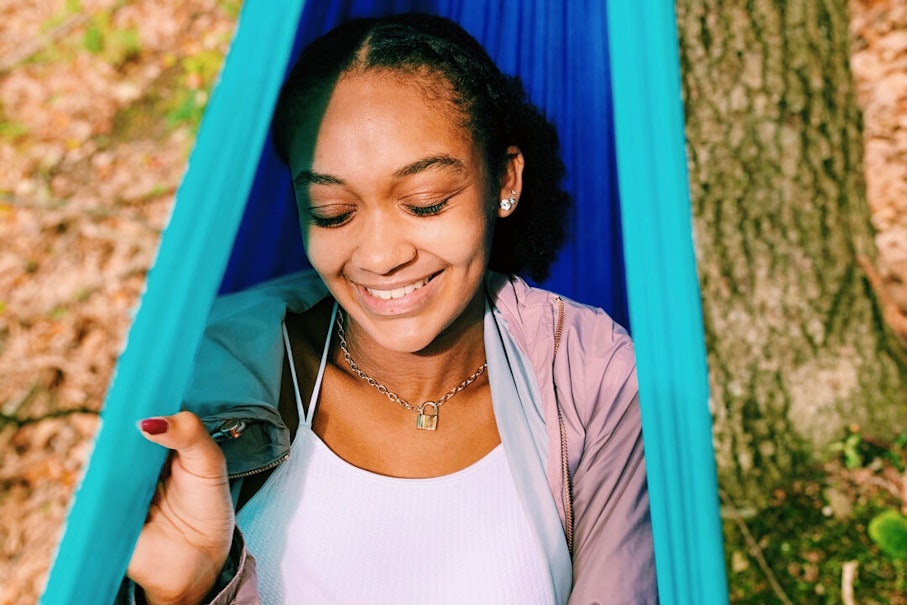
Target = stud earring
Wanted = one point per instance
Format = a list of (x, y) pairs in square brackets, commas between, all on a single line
[(507, 203)]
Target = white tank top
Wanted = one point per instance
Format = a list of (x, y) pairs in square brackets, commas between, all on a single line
[(324, 531)]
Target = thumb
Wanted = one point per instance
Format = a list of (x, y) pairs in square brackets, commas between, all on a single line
[(185, 433)]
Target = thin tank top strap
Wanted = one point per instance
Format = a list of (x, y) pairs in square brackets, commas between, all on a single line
[(306, 416)]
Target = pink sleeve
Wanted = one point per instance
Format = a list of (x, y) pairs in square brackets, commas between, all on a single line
[(613, 551), (242, 588)]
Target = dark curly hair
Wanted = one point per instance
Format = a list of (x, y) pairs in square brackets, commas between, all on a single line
[(494, 106)]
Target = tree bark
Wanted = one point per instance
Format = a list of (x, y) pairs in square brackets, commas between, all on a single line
[(797, 347)]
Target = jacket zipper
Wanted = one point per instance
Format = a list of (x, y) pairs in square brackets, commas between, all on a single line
[(260, 469), (565, 466), (233, 429)]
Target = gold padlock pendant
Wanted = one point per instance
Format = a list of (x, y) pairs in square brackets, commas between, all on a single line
[(425, 419)]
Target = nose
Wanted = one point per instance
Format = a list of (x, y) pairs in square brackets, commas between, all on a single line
[(385, 243)]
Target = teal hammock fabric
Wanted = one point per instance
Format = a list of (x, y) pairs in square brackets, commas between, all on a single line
[(234, 224)]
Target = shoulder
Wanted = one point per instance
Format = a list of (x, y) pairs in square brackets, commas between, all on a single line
[(243, 328), (577, 348), (296, 292), (534, 314), (239, 358)]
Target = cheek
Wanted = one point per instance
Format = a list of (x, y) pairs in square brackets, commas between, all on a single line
[(465, 241), (326, 254)]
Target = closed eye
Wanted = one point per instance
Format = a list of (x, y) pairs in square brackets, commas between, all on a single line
[(335, 220), (428, 210)]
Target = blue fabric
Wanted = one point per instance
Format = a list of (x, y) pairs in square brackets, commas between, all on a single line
[(560, 51), (665, 304)]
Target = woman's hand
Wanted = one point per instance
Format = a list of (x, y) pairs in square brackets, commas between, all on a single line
[(187, 535)]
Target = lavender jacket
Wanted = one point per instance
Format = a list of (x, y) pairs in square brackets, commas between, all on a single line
[(572, 433)]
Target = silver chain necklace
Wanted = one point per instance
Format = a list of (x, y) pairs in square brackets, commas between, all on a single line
[(427, 412)]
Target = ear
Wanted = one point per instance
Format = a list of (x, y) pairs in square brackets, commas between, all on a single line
[(511, 182)]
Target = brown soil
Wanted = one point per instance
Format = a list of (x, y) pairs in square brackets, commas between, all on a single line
[(88, 167)]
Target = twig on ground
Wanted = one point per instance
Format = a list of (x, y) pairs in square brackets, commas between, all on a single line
[(848, 575), (20, 422), (68, 212), (45, 362), (890, 487), (11, 407), (904, 493), (755, 549), (26, 51)]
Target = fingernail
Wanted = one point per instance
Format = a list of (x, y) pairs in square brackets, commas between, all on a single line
[(153, 426)]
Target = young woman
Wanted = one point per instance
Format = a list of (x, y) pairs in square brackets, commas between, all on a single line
[(411, 422)]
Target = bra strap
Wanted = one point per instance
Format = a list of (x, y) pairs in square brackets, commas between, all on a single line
[(306, 416)]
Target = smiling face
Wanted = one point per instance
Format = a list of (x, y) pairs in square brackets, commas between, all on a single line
[(397, 209)]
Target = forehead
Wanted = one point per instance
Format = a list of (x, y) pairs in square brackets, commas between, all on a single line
[(381, 117)]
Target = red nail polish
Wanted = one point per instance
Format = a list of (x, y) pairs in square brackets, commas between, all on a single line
[(153, 426)]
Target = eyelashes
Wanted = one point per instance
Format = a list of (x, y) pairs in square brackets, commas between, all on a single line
[(432, 210), (329, 221), (338, 220)]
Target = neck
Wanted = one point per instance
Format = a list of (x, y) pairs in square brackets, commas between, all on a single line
[(428, 374)]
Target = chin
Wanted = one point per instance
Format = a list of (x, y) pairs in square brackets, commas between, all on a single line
[(407, 335)]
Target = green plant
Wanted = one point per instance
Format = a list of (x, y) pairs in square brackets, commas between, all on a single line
[(122, 46), (70, 8), (897, 453), (188, 103), (231, 7), (202, 68), (862, 451), (889, 531), (187, 108), (850, 450), (117, 46), (93, 40), (12, 130)]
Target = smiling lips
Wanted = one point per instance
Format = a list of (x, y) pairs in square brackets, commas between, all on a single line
[(398, 292)]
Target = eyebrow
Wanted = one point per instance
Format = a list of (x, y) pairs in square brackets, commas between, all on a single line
[(440, 161), (310, 177), (443, 161)]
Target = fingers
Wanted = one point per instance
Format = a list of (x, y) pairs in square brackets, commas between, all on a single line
[(185, 433)]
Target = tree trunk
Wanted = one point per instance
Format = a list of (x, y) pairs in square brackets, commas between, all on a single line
[(797, 347)]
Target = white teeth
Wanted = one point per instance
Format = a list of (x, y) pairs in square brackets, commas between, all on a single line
[(397, 292)]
